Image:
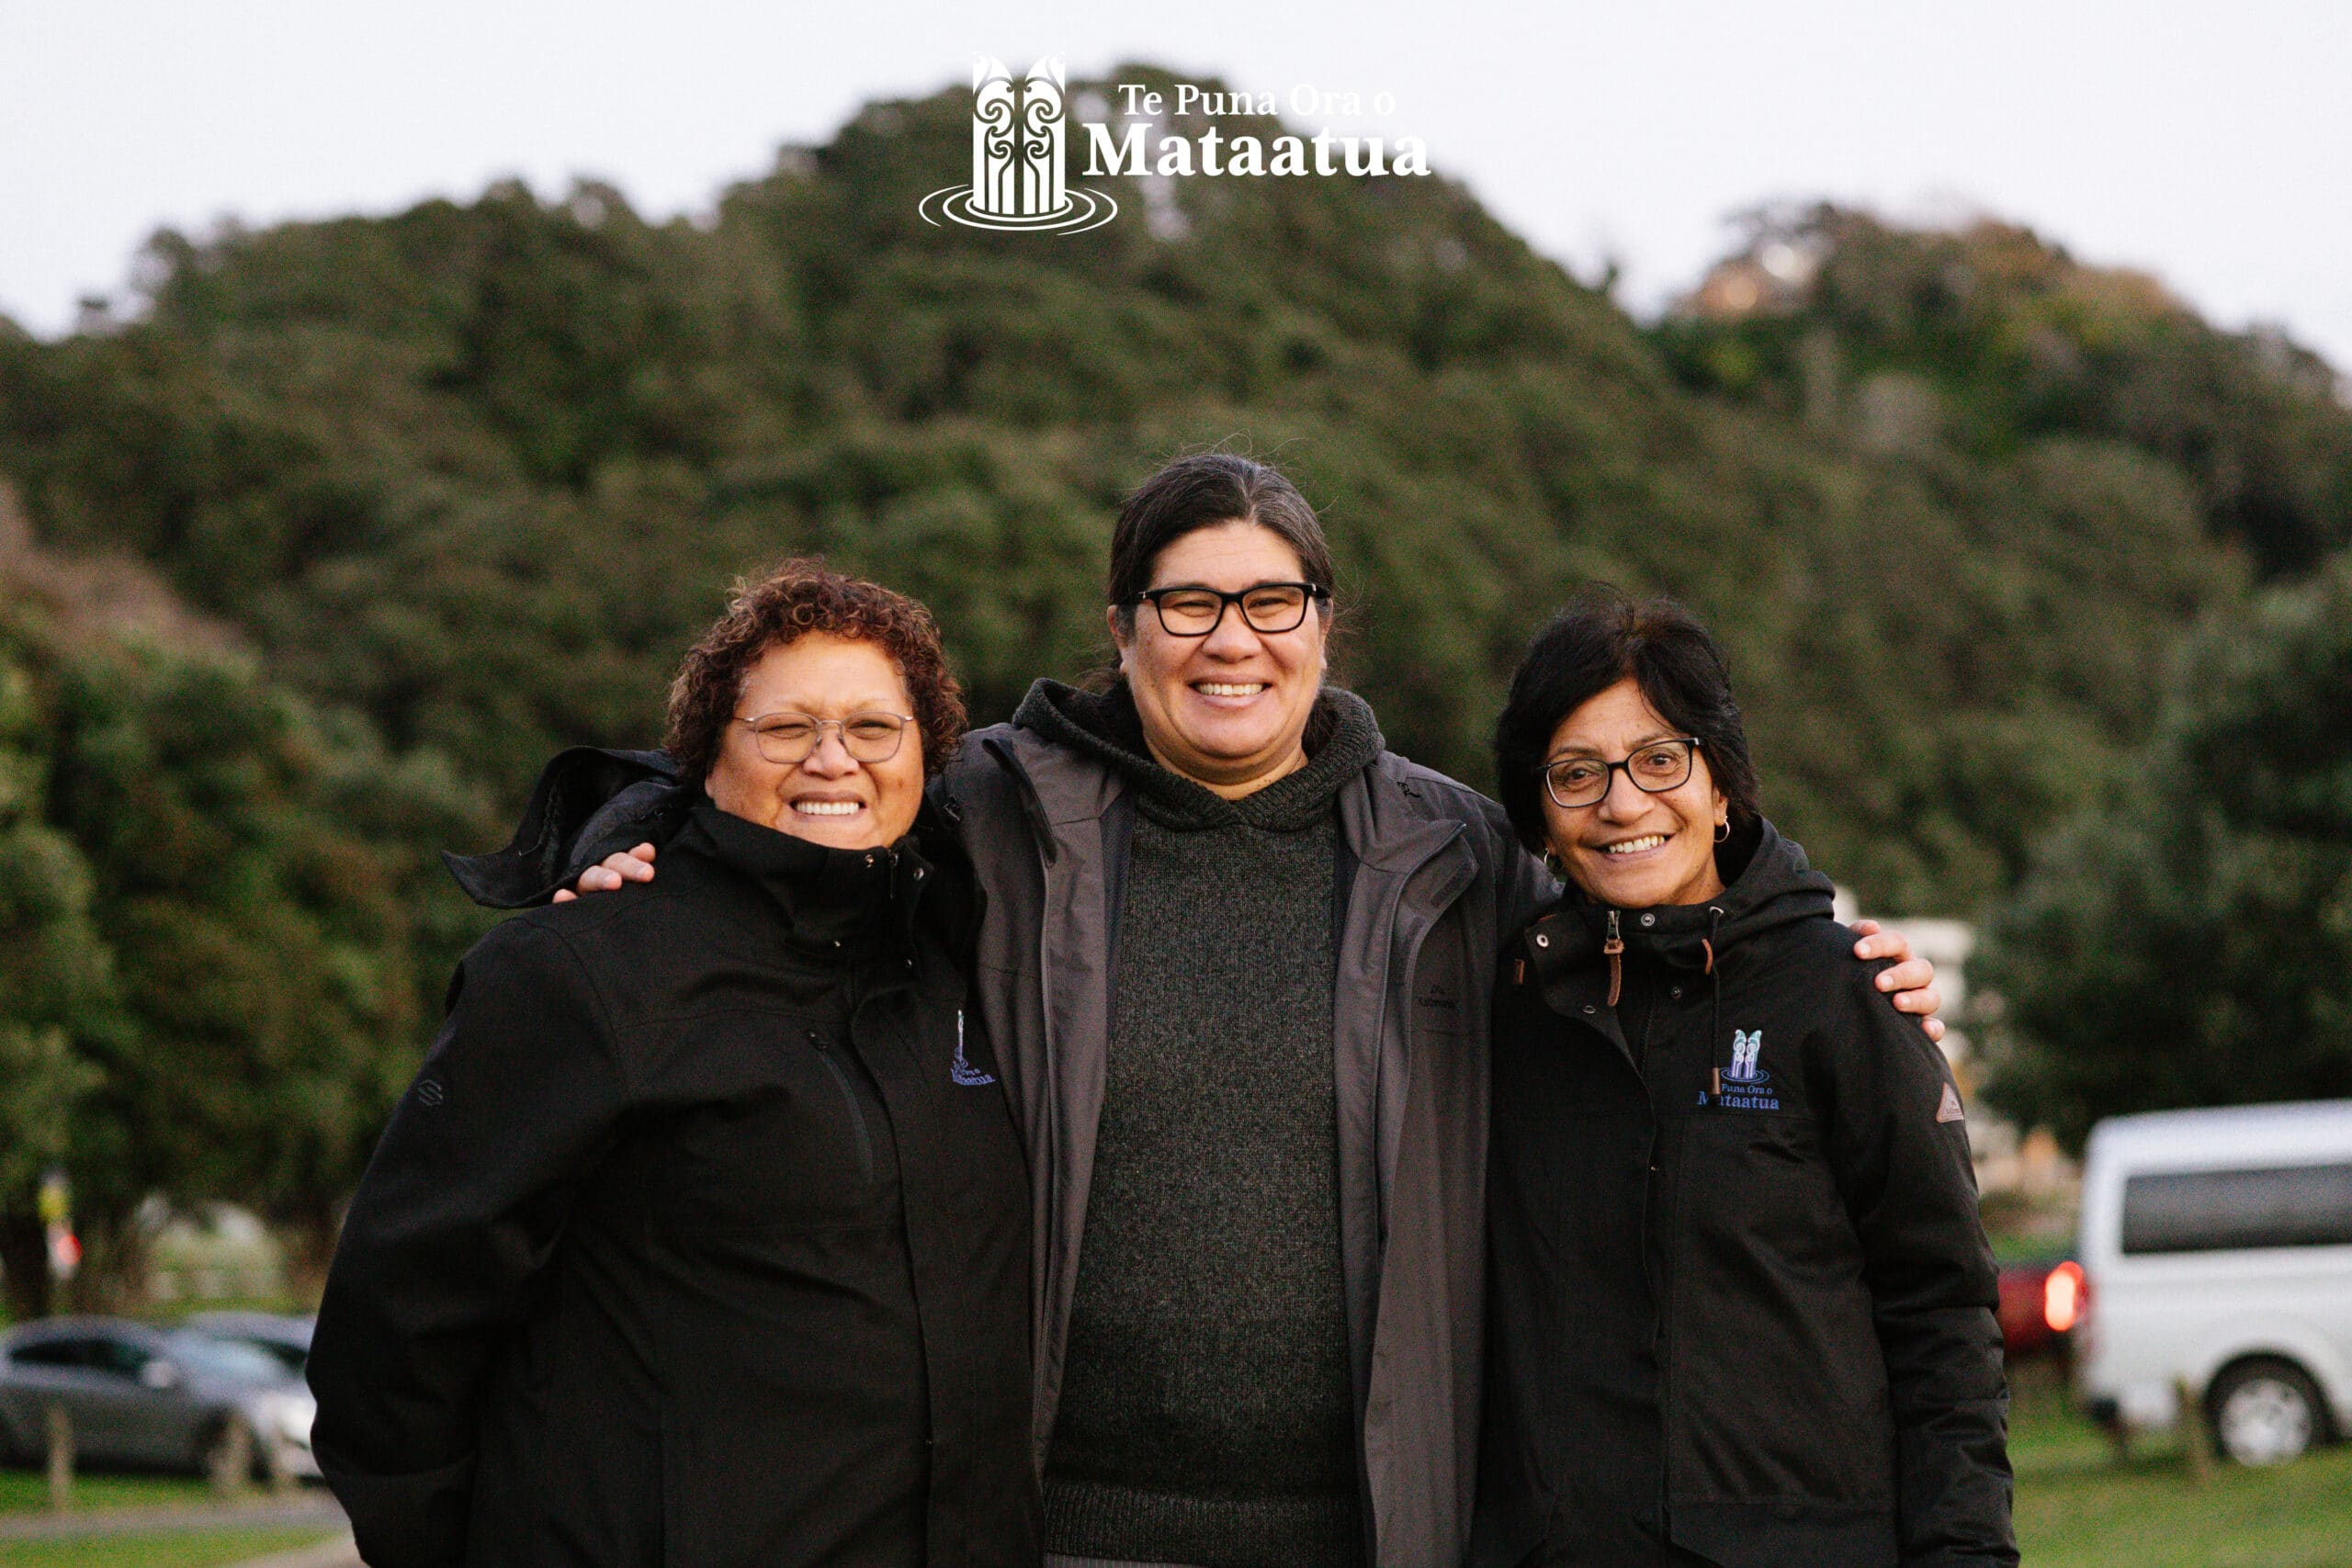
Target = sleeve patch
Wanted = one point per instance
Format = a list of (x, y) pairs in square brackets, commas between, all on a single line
[(1948, 1109)]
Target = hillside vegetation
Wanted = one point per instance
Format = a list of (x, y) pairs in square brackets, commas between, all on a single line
[(458, 484)]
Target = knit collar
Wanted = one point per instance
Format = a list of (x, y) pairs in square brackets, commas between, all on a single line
[(1341, 739), (829, 897)]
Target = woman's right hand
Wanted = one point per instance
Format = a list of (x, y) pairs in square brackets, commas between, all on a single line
[(624, 865)]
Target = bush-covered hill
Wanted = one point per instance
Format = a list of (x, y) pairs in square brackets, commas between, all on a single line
[(331, 535), (1979, 342), (475, 472)]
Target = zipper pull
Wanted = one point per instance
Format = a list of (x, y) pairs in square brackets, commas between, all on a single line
[(1615, 948)]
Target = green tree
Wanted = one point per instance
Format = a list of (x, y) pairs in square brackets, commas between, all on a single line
[(2191, 942), (59, 1009), (210, 977)]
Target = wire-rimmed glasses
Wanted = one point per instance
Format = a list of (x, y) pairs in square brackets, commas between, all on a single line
[(870, 737)]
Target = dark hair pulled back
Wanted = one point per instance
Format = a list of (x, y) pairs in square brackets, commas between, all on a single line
[(1202, 491)]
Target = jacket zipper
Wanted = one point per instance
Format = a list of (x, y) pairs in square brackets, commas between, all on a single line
[(849, 1098), (1666, 1167)]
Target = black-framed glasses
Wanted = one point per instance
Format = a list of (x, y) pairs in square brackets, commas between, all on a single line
[(871, 737), (1654, 768), (1268, 607)]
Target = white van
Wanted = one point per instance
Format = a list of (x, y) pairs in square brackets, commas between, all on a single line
[(2217, 1247)]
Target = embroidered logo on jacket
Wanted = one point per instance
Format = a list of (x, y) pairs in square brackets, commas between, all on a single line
[(1745, 1045), (960, 1070), (1741, 1086), (1948, 1109)]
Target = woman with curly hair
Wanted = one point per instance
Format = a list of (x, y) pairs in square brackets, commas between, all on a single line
[(702, 1236)]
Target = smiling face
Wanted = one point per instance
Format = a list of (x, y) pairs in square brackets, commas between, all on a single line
[(1632, 849), (828, 798), (1227, 710)]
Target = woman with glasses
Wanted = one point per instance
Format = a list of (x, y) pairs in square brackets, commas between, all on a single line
[(701, 1237), (1742, 1308)]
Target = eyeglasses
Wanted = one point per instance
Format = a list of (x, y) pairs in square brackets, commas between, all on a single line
[(1268, 607), (790, 737), (1656, 768)]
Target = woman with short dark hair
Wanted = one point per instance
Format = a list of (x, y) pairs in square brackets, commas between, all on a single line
[(1741, 1306), (702, 1236)]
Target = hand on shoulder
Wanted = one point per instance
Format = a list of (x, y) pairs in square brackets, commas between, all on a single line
[(608, 875), (1911, 982)]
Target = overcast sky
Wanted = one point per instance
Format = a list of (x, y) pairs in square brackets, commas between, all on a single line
[(2209, 144)]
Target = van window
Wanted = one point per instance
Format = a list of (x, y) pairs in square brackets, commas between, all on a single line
[(2215, 1211)]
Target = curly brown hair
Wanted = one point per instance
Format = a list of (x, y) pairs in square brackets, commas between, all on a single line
[(797, 598)]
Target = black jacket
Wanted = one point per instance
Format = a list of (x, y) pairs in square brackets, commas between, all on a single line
[(701, 1238), (1740, 1298)]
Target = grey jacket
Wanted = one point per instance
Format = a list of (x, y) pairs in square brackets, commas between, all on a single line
[(1433, 882)]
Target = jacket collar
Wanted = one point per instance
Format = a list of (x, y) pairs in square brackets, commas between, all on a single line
[(1343, 736), (831, 897), (1771, 886), (1383, 820)]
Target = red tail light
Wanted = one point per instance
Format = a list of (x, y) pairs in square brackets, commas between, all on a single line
[(2064, 1294)]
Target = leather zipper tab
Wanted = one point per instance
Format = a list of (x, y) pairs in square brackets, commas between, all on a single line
[(1615, 948)]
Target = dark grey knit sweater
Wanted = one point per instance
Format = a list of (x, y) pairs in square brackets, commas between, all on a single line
[(1206, 1411)]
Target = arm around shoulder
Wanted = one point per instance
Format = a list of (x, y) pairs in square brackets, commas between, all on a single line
[(1522, 888)]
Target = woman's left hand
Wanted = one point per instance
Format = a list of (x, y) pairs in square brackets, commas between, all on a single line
[(1912, 980)]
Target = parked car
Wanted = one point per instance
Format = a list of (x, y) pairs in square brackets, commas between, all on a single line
[(140, 1397), (2217, 1254), (283, 1336), (2040, 1303)]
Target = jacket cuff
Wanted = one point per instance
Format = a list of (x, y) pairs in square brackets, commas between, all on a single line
[(417, 1520)]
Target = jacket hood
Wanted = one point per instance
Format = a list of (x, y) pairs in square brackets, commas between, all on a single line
[(1341, 738), (1768, 883)]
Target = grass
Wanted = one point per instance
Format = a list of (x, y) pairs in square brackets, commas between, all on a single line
[(27, 1491), (2077, 1507), (180, 1549)]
